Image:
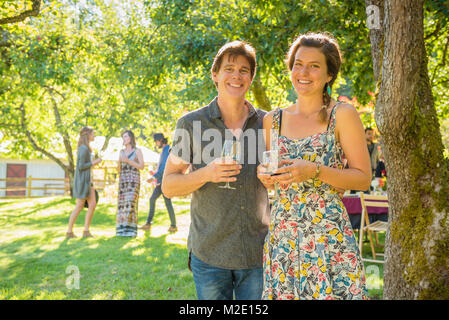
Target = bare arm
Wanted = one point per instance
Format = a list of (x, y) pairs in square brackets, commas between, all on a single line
[(177, 183), (138, 163), (351, 134)]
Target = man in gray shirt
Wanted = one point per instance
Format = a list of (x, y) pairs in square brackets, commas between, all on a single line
[(228, 226)]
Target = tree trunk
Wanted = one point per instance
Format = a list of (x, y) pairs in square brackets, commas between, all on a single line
[(417, 242), (70, 170), (260, 94)]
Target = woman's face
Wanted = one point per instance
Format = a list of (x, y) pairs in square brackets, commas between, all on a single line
[(126, 139), (92, 136), (309, 74)]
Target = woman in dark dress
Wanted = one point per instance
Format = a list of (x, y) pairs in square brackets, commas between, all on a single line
[(83, 189)]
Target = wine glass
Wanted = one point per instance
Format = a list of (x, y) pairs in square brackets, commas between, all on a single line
[(230, 152), (270, 160)]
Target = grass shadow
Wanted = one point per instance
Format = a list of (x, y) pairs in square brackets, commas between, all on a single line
[(109, 268)]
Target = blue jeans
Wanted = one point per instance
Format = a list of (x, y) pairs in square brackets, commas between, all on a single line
[(213, 283)]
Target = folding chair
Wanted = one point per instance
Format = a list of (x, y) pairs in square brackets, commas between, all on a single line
[(375, 227)]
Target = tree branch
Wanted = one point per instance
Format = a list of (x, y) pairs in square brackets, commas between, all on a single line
[(60, 127), (8, 125), (443, 60), (34, 11), (435, 32), (33, 142), (52, 90)]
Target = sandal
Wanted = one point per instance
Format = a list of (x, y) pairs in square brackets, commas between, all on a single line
[(87, 234), (70, 235), (172, 229), (146, 227)]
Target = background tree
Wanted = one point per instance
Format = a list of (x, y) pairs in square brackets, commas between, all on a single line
[(192, 31), (417, 245), (81, 64), (15, 11)]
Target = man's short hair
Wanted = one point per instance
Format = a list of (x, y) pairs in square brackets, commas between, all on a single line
[(234, 49), (368, 129), (160, 137)]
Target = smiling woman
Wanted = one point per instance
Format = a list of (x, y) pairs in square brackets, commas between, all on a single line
[(310, 230)]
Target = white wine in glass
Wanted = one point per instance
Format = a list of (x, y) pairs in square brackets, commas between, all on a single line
[(230, 152)]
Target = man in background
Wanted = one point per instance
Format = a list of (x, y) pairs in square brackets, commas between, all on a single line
[(161, 142), (372, 148)]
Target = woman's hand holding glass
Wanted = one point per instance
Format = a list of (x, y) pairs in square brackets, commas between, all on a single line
[(295, 170), (96, 161), (266, 169), (264, 176), (123, 158)]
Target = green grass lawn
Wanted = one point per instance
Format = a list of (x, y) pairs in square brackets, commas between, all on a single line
[(36, 262), (374, 271)]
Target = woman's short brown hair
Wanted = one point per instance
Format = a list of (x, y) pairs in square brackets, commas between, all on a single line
[(234, 49)]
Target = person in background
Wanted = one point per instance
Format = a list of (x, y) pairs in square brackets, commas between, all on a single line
[(381, 170), (373, 148), (161, 143), (83, 189), (129, 165)]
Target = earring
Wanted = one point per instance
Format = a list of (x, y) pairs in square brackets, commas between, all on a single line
[(329, 91)]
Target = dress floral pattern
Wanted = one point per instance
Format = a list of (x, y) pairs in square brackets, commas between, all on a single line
[(310, 250)]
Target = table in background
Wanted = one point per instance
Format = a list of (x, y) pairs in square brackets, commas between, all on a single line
[(354, 209)]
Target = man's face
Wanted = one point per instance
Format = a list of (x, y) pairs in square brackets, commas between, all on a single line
[(234, 76), (158, 143), (369, 135)]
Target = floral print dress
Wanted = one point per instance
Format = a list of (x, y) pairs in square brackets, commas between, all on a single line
[(310, 250)]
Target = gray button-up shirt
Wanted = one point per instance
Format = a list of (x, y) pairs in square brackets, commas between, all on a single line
[(228, 227)]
